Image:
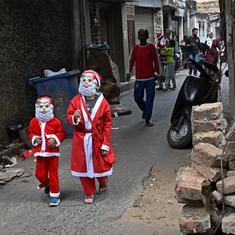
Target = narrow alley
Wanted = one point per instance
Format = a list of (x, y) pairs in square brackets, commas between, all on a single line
[(24, 210)]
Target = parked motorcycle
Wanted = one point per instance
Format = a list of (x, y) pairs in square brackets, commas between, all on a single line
[(194, 91)]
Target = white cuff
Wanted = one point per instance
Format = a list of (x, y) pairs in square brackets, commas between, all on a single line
[(54, 194), (55, 138), (105, 147), (74, 123), (33, 141)]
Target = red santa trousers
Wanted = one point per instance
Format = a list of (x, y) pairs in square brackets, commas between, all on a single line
[(88, 184), (47, 173)]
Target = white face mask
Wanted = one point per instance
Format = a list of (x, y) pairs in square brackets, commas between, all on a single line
[(44, 111), (88, 85)]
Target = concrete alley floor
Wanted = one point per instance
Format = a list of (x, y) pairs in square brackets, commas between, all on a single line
[(24, 210)]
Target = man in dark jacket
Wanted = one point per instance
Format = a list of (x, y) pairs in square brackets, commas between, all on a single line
[(193, 45)]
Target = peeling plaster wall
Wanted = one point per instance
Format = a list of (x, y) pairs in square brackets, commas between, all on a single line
[(33, 35)]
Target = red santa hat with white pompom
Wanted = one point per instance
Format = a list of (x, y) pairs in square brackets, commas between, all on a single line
[(44, 99)]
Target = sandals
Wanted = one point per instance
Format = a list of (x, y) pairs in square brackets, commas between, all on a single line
[(89, 199)]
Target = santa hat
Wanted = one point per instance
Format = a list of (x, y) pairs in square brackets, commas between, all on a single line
[(94, 74), (44, 99), (159, 35)]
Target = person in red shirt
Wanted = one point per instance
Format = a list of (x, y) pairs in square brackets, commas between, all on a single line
[(145, 58)]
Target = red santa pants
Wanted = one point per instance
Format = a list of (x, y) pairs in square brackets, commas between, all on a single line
[(47, 173), (88, 184)]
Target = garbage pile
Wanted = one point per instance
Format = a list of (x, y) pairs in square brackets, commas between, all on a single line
[(8, 171), (207, 187), (11, 154)]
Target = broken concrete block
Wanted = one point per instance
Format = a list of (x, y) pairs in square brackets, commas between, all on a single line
[(230, 154), (229, 185), (228, 224), (230, 148), (205, 159), (206, 155), (230, 173), (188, 185), (231, 164), (212, 137), (206, 112), (205, 126), (194, 220), (230, 200)]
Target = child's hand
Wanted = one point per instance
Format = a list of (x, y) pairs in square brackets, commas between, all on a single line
[(104, 152), (51, 142), (77, 116), (38, 140)]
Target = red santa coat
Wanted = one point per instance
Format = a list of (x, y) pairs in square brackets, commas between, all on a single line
[(46, 130), (90, 136)]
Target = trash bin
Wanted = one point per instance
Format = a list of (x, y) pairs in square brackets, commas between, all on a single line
[(61, 88)]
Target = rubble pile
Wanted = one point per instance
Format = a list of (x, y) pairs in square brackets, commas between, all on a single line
[(8, 162), (207, 187)]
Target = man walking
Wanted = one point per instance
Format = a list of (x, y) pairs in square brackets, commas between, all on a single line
[(193, 44), (145, 58)]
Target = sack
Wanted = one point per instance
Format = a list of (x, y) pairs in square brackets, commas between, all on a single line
[(110, 159), (29, 153)]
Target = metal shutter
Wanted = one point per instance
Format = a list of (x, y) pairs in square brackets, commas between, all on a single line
[(144, 19)]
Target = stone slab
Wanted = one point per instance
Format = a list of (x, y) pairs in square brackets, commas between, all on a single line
[(194, 220), (209, 111), (212, 137), (188, 185), (205, 159), (228, 224), (230, 200), (205, 126), (229, 185)]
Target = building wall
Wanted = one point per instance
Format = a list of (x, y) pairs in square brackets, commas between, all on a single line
[(158, 22), (34, 35), (144, 19), (208, 6)]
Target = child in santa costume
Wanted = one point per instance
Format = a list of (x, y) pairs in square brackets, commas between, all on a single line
[(92, 154), (46, 133)]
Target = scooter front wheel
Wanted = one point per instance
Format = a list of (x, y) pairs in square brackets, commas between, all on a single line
[(180, 138)]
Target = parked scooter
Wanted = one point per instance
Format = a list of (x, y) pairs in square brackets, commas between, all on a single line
[(194, 91)]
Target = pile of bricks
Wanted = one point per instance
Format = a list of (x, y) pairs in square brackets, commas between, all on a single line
[(199, 186)]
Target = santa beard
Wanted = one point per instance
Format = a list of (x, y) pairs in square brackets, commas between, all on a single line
[(87, 91), (44, 117)]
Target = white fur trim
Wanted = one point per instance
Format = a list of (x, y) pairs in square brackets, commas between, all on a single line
[(47, 154), (54, 194), (88, 146), (43, 125), (105, 147), (97, 105), (54, 137), (92, 175), (33, 141)]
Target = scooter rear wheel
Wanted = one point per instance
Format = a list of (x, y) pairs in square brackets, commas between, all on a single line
[(181, 138)]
